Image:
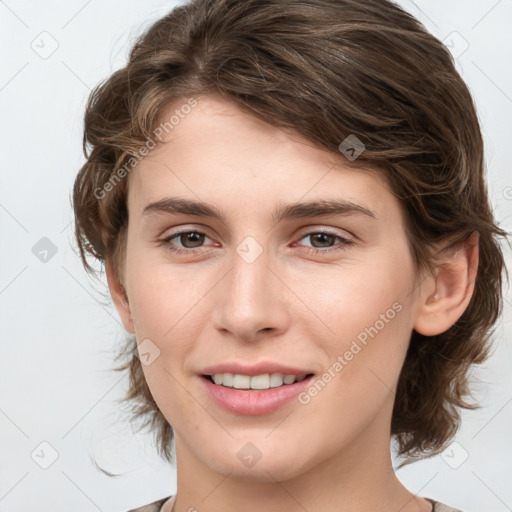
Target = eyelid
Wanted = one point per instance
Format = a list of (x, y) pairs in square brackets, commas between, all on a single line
[(326, 229), (185, 228)]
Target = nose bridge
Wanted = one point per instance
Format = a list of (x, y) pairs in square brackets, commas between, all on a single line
[(250, 302), (250, 276)]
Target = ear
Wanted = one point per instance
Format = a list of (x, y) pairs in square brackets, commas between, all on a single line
[(445, 296), (119, 297)]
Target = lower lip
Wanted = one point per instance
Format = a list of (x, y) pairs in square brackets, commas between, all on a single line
[(252, 402)]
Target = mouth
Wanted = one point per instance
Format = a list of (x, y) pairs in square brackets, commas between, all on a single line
[(260, 382), (256, 387), (255, 394)]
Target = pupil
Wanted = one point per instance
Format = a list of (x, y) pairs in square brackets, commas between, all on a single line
[(188, 237), (324, 237)]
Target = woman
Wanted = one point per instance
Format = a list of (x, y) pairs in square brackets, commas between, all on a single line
[(290, 202)]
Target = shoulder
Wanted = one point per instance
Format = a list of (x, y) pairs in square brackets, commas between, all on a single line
[(151, 507), (441, 507)]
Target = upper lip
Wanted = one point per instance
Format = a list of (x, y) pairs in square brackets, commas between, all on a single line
[(253, 369)]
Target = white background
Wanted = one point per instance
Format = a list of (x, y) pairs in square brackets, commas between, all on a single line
[(58, 337)]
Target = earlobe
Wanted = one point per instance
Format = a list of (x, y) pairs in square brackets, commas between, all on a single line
[(454, 286), (119, 297)]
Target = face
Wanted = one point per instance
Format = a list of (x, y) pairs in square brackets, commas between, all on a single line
[(263, 284)]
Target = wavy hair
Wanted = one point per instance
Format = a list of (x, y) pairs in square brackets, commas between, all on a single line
[(326, 69)]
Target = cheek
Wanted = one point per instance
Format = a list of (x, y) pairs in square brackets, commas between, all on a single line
[(361, 295), (367, 310), (161, 316), (160, 297)]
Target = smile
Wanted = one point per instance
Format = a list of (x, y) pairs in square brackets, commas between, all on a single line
[(263, 381), (254, 395)]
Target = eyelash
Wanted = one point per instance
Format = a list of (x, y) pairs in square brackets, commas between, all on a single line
[(311, 250)]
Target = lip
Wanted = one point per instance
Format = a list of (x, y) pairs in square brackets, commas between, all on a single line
[(254, 369), (254, 402)]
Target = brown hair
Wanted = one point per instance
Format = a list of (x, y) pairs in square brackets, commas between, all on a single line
[(327, 69)]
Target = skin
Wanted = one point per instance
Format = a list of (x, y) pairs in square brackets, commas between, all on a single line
[(210, 305)]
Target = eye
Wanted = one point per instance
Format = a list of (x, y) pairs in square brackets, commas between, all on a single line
[(325, 239), (190, 240)]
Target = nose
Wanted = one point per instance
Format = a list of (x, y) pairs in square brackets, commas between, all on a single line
[(252, 301)]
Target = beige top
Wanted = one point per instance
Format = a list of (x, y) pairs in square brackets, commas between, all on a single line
[(156, 506)]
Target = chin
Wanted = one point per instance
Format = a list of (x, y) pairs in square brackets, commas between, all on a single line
[(245, 462)]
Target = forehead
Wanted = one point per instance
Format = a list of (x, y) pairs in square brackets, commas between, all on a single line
[(217, 151)]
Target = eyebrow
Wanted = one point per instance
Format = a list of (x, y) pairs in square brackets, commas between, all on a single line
[(174, 205)]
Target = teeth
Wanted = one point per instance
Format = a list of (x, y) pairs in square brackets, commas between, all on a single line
[(289, 379), (241, 381), (227, 379), (219, 377), (260, 381), (276, 380), (264, 381)]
